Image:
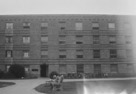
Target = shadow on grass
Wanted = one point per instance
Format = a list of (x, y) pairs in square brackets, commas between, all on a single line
[(93, 87), (5, 84)]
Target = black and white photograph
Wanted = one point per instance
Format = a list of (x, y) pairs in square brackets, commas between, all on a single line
[(67, 46)]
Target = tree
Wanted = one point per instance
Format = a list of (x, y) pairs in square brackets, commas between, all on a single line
[(17, 70), (52, 74)]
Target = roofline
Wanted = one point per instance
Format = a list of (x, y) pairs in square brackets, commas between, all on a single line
[(67, 15)]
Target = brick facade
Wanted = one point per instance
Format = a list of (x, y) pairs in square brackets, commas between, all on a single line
[(65, 25)]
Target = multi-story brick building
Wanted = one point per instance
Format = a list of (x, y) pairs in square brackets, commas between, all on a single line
[(67, 43)]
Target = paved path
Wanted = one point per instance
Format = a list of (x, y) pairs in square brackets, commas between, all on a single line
[(27, 86), (22, 86)]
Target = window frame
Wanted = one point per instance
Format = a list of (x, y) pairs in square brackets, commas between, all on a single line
[(26, 39)]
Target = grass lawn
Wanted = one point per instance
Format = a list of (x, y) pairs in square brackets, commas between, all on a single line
[(93, 87), (4, 84)]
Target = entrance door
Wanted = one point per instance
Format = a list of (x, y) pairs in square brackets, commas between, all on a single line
[(44, 70), (97, 70)]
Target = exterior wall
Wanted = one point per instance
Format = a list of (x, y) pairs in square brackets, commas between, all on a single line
[(52, 46)]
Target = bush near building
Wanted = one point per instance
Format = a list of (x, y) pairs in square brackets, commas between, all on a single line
[(52, 74), (1, 74), (17, 70)]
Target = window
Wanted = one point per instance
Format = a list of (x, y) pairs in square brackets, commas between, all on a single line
[(79, 50), (96, 53), (8, 53), (9, 25), (129, 53), (96, 39), (128, 39), (62, 69), (62, 28), (79, 36), (80, 68), (79, 53), (95, 26), (112, 39), (9, 39), (79, 42), (79, 56), (130, 68), (44, 38), (62, 25), (26, 39), (62, 36), (62, 56), (25, 54), (111, 25), (62, 53), (114, 68), (44, 53), (113, 53), (79, 26), (97, 68), (35, 70), (44, 25), (26, 25), (61, 42), (62, 50)]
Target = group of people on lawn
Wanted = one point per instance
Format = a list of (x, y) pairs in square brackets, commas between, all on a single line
[(56, 82)]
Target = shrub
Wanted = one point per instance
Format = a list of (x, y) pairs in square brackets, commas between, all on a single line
[(52, 74), (8, 76), (17, 70), (1, 74)]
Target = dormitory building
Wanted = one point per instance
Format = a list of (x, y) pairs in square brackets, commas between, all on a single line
[(68, 43)]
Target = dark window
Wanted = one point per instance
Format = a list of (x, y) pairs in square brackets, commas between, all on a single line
[(79, 56), (114, 68), (79, 50), (62, 36), (26, 25), (96, 53), (97, 68), (113, 53), (128, 39), (96, 39), (95, 26), (112, 39), (62, 50), (79, 36), (62, 28), (62, 56), (80, 68), (62, 42), (79, 42), (34, 69), (44, 54)]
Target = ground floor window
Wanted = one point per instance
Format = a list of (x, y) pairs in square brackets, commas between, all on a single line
[(130, 68), (80, 68), (97, 68), (62, 69), (114, 68)]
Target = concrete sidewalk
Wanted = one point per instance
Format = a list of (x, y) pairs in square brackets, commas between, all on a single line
[(27, 86), (22, 86)]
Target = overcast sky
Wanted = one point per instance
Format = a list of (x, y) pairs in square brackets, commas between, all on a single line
[(67, 7)]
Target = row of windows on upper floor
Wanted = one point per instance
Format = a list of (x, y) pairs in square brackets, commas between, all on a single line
[(78, 26), (95, 38), (113, 53)]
